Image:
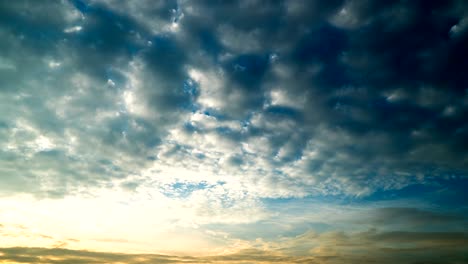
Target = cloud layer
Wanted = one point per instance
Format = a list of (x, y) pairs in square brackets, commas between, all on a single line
[(288, 102)]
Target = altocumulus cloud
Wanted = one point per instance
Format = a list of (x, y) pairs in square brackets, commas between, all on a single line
[(230, 106), (358, 97)]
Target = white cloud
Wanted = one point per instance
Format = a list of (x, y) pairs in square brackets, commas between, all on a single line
[(239, 41), (211, 84), (459, 28), (73, 29)]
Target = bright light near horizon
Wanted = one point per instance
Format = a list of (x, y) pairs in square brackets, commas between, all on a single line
[(109, 221)]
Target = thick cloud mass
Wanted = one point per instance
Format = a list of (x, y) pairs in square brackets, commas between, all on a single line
[(284, 99)]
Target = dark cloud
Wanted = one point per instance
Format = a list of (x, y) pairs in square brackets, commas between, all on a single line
[(415, 217), (58, 255), (381, 78)]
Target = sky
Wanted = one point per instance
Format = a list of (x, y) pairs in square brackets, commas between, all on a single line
[(246, 131)]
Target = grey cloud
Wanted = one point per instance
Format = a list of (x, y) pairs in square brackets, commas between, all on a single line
[(442, 238), (383, 247), (415, 217)]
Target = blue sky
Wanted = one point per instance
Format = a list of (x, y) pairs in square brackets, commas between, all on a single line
[(233, 131)]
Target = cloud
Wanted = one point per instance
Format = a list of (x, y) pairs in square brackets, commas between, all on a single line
[(414, 218), (345, 88), (333, 247), (78, 126), (232, 228), (44, 255), (104, 88)]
